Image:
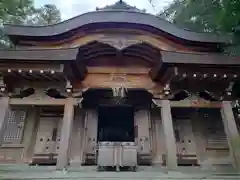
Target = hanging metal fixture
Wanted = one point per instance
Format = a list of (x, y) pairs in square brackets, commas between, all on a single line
[(119, 93)]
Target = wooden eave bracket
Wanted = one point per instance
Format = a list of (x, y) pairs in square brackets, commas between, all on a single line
[(155, 72), (74, 71)]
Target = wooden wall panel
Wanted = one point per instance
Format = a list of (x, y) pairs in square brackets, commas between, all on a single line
[(11, 155), (118, 70), (187, 144), (125, 61), (44, 142)]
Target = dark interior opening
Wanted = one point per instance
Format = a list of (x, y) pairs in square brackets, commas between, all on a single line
[(116, 123)]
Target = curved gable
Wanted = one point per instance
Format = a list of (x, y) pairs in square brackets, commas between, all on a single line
[(111, 19), (119, 38)]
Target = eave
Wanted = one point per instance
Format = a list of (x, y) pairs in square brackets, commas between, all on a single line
[(33, 64), (166, 65), (143, 21), (39, 55), (173, 62)]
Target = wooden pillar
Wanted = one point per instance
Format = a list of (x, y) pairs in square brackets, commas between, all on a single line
[(4, 110), (158, 130), (198, 131), (30, 133), (170, 142), (67, 123), (231, 131)]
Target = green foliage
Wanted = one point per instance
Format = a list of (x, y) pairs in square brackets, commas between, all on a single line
[(46, 15), (205, 15), (24, 12), (217, 16), (15, 11)]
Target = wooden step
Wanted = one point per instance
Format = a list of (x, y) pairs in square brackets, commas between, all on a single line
[(44, 159)]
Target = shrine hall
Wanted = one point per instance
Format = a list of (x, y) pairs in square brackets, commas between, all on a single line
[(118, 87)]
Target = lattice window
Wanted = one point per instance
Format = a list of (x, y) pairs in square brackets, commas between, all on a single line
[(14, 128)]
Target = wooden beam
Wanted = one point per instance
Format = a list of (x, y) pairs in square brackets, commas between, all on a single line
[(41, 102), (116, 80), (115, 70), (190, 104), (38, 102), (195, 104), (210, 73), (25, 67)]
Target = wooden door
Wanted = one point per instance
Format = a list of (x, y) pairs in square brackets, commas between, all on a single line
[(187, 138), (91, 131), (48, 135), (90, 137), (142, 124)]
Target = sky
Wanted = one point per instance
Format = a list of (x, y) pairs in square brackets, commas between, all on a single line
[(71, 8)]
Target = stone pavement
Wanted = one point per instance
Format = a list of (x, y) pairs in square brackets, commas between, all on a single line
[(15, 172)]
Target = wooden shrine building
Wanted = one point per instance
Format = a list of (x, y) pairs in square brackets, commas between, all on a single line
[(118, 74)]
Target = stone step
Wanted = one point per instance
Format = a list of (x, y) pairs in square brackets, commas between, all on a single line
[(116, 176), (89, 172)]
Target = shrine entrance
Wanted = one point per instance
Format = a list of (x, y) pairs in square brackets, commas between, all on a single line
[(117, 127), (115, 123)]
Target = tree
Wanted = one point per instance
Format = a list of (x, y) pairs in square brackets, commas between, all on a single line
[(24, 12), (46, 15), (204, 15), (13, 11), (216, 16)]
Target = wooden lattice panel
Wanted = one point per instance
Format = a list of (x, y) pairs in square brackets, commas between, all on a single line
[(15, 126)]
